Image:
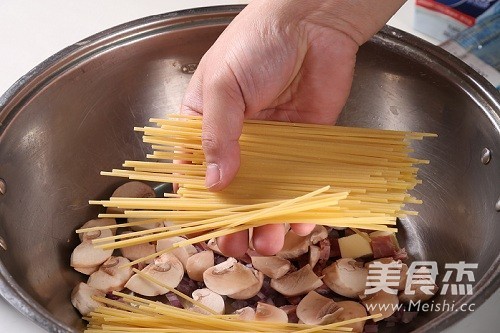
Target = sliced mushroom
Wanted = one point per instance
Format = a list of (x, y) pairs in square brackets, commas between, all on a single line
[(252, 290), (97, 234), (132, 189), (212, 245), (272, 266), (86, 270), (422, 288), (144, 226), (138, 251), (294, 245), (229, 277), (314, 255), (198, 263), (86, 255), (402, 272), (270, 313), (246, 314), (318, 234), (167, 269), (380, 302), (421, 293), (111, 276), (315, 309), (208, 298), (346, 277), (81, 298), (297, 283), (352, 310), (182, 253)]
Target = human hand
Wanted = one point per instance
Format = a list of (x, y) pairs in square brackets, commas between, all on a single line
[(283, 60)]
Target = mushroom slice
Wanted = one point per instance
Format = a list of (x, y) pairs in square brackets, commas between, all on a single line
[(144, 226), (421, 293), (252, 290), (315, 309), (210, 299), (272, 266), (402, 273), (182, 253), (97, 234), (246, 314), (132, 189), (229, 277), (351, 310), (86, 270), (110, 275), (81, 298), (318, 234), (294, 246), (212, 245), (198, 263), (86, 255), (380, 302), (138, 251), (422, 288), (270, 313), (314, 255), (167, 269), (297, 283), (346, 277)]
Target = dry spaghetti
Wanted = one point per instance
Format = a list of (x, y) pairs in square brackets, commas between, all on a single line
[(330, 175)]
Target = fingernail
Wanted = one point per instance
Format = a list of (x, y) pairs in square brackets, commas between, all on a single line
[(213, 175)]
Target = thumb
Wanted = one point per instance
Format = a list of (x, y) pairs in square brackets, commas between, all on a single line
[(222, 106)]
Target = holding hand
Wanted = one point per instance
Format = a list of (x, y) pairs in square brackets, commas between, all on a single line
[(283, 60)]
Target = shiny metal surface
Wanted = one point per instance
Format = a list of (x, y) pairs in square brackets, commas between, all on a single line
[(485, 156), (73, 116)]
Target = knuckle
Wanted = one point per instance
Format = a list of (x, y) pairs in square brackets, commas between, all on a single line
[(210, 142)]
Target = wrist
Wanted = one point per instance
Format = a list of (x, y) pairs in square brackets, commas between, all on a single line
[(358, 19)]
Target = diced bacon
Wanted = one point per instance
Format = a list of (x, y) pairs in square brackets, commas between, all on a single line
[(400, 254), (382, 247), (324, 249), (334, 248)]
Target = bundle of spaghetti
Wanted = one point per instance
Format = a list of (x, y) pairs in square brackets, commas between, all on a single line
[(363, 175), (136, 314)]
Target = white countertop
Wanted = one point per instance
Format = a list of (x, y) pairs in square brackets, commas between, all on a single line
[(31, 31)]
